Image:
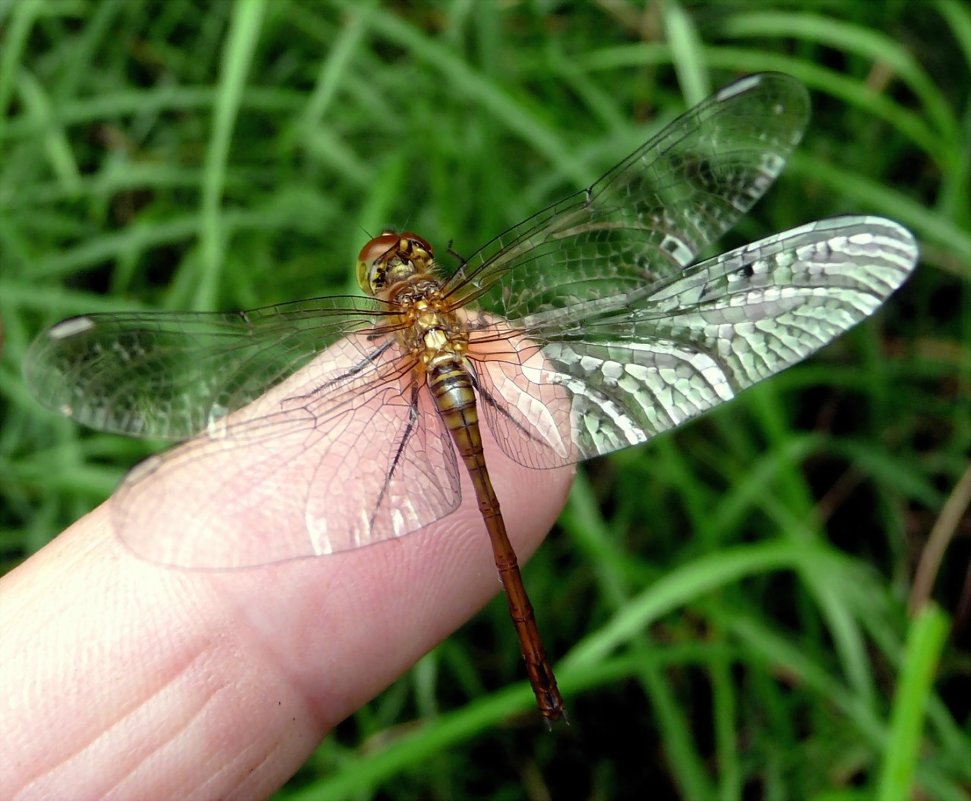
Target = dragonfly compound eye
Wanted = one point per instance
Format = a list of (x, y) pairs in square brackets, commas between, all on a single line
[(391, 257)]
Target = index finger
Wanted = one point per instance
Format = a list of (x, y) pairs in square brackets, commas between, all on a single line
[(138, 680)]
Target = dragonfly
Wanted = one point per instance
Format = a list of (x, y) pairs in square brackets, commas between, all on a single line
[(591, 326)]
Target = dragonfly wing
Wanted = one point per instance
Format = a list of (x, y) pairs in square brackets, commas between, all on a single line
[(341, 455), (171, 375), (527, 411), (652, 214), (626, 367)]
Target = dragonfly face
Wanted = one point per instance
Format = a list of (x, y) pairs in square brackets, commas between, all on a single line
[(588, 327), (391, 258)]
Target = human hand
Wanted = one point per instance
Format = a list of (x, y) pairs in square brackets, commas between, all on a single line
[(124, 679)]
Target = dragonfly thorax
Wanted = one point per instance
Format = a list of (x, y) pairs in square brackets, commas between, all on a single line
[(391, 259), (426, 325)]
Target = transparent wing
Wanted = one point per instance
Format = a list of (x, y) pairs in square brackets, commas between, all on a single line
[(617, 370), (341, 455), (652, 214), (171, 375), (609, 338)]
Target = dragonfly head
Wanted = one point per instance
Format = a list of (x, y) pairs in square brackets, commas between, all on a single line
[(391, 258)]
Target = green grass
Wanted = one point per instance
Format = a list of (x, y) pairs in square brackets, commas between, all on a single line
[(726, 605)]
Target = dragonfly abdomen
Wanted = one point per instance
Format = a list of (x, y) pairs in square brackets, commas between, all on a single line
[(451, 386)]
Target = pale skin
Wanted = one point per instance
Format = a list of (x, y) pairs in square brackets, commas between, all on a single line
[(125, 680)]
